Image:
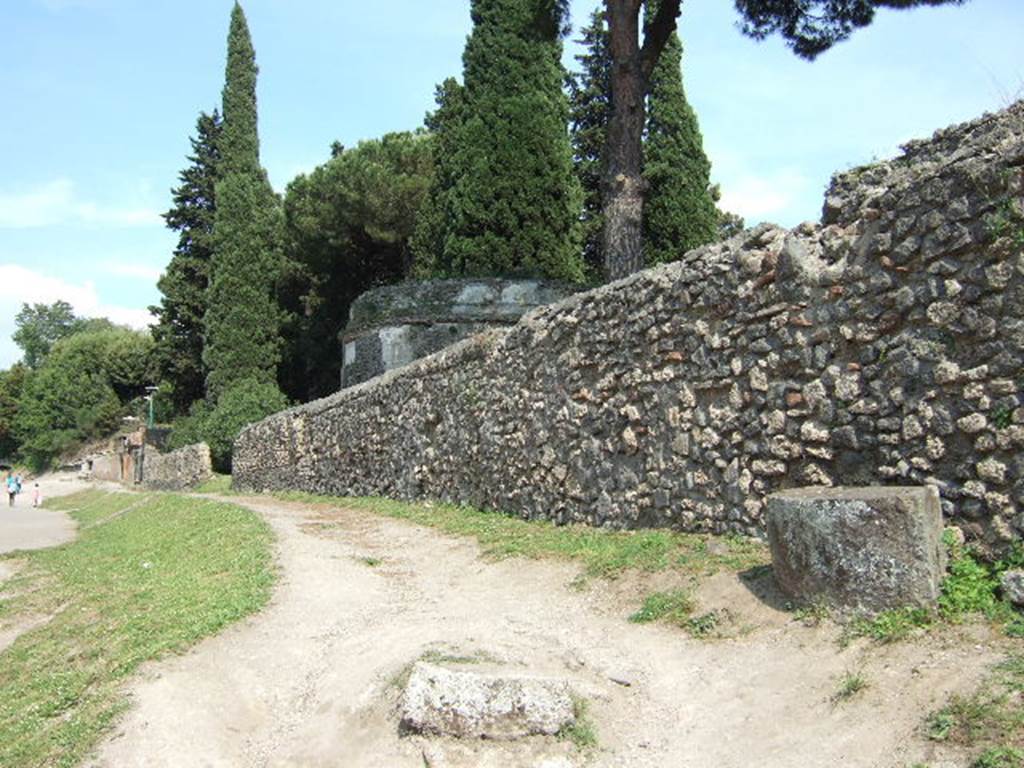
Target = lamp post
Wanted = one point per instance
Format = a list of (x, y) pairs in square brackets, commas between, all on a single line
[(149, 398)]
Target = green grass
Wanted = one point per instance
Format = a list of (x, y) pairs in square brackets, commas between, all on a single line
[(971, 588), (991, 719), (672, 607), (850, 685), (582, 732), (149, 575), (603, 553), (216, 484)]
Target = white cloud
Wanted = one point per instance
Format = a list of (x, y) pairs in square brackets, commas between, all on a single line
[(21, 285), (757, 197), (56, 203)]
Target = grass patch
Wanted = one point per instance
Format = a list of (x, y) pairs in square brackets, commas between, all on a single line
[(603, 553), (989, 719), (971, 588), (673, 607), (890, 626), (217, 484), (149, 575), (373, 562), (850, 685), (582, 732)]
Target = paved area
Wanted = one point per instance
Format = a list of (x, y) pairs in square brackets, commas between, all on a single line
[(24, 527)]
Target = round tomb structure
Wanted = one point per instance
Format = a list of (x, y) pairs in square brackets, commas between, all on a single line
[(392, 326)]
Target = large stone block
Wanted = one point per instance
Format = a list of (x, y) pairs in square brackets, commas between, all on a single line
[(860, 549), (468, 704)]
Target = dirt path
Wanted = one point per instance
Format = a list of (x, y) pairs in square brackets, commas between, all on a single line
[(310, 681), (25, 527)]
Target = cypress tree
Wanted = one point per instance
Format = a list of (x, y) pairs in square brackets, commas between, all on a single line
[(679, 212), (242, 317), (590, 105), (514, 204), (179, 329), (427, 245)]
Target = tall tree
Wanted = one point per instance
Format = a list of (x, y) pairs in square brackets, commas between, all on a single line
[(514, 204), (349, 226), (590, 106), (679, 210), (427, 243), (39, 326), (809, 27), (242, 320), (178, 331)]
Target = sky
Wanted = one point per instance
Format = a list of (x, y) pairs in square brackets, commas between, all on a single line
[(100, 98)]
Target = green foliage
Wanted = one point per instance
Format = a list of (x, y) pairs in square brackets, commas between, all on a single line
[(850, 685), (679, 212), (514, 202), (590, 107), (148, 576), (810, 27), (674, 606), (40, 326), (82, 390), (1000, 757), (581, 731), (239, 142), (679, 204), (427, 243), (12, 383), (244, 402), (178, 331), (242, 320), (970, 587), (349, 224), (989, 718), (891, 626)]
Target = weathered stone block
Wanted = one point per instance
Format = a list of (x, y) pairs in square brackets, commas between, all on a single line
[(472, 705), (861, 549)]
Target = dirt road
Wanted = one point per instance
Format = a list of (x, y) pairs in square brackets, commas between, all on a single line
[(25, 527), (311, 680)]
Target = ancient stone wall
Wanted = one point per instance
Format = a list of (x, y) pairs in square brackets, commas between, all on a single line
[(884, 345), (391, 326), (178, 470)]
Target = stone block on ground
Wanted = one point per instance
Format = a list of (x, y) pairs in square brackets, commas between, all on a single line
[(1012, 583), (467, 704), (858, 549)]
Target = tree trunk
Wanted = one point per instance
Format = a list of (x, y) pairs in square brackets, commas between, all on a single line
[(623, 184)]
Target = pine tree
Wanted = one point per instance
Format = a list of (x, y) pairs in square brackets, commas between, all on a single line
[(242, 316), (590, 105), (514, 203), (179, 329), (679, 212)]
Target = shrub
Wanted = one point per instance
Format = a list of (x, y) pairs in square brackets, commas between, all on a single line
[(243, 403)]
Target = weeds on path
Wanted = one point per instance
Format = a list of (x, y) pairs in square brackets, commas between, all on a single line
[(603, 553)]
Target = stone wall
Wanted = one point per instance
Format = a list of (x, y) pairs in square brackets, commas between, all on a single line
[(178, 470), (392, 326), (884, 345)]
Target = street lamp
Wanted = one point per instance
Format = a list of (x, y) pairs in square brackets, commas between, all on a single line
[(149, 399)]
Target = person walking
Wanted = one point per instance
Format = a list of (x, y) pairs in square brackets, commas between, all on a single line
[(12, 489), (37, 496)]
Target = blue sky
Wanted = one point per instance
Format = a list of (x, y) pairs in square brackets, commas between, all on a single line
[(101, 96)]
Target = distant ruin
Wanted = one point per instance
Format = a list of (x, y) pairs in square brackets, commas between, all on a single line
[(884, 345)]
